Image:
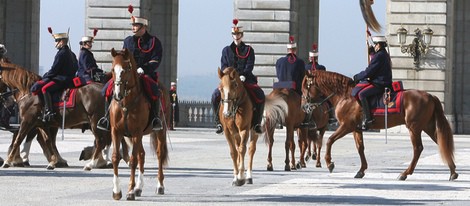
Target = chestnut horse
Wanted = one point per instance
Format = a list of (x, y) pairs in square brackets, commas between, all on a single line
[(236, 112), (129, 118), (291, 119), (89, 107), (420, 111)]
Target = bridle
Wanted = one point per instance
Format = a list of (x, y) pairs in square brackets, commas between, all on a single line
[(235, 102), (310, 104), (119, 83)]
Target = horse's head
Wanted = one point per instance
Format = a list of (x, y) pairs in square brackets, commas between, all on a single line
[(310, 90), (231, 88), (124, 73)]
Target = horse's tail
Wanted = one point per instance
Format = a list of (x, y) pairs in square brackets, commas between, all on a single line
[(275, 111), (158, 142), (445, 138)]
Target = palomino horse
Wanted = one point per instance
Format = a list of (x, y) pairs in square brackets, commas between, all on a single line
[(129, 118), (89, 107), (236, 112), (420, 111), (290, 119), (314, 137)]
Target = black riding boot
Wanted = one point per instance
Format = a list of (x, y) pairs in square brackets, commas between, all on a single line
[(258, 118), (308, 122), (218, 125), (103, 123), (48, 109), (367, 116), (156, 122)]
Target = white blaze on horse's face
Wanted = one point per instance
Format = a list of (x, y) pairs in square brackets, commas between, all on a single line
[(117, 81), (226, 92)]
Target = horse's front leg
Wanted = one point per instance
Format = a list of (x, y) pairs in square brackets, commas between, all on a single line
[(251, 153), (359, 140), (240, 178), (116, 142), (233, 152), (339, 133), (14, 149), (56, 160), (417, 149)]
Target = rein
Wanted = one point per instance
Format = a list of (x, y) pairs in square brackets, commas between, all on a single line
[(235, 102), (311, 105)]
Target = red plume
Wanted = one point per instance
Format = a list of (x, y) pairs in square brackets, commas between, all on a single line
[(130, 8), (49, 29), (95, 31), (314, 47), (235, 21), (291, 39)]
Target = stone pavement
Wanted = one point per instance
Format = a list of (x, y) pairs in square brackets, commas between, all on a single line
[(200, 173)]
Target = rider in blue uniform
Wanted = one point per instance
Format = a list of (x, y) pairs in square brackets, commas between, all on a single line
[(59, 77), (242, 58), (291, 68), (87, 67), (374, 78), (147, 50), (313, 60)]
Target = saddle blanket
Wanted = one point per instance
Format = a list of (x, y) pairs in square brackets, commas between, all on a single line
[(69, 95), (377, 105)]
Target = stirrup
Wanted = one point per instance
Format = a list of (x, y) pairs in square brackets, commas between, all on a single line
[(103, 124), (309, 125), (156, 124), (220, 129), (48, 115), (366, 123)]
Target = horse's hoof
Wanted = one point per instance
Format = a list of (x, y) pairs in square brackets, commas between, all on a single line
[(331, 167), (238, 182), (270, 168), (453, 176), (359, 175), (160, 190), (130, 196), (249, 181), (314, 156), (109, 165), (138, 192), (402, 177), (307, 158), (61, 165), (117, 196), (298, 166), (6, 165), (50, 167), (26, 164), (87, 168), (303, 165), (318, 165), (19, 164), (287, 168)]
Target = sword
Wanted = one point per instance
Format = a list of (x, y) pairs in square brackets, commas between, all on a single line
[(63, 118), (386, 96)]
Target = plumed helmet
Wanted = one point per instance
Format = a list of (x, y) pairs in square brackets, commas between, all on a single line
[(291, 44), (235, 28), (314, 51)]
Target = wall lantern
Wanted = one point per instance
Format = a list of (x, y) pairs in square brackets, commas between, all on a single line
[(420, 45)]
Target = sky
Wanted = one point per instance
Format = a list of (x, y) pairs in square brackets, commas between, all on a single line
[(341, 35)]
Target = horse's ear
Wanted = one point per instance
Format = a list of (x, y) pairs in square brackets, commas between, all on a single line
[(113, 52), (221, 74), (125, 52)]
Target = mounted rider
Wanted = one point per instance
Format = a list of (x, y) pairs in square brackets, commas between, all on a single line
[(373, 79), (87, 68), (290, 68), (59, 77), (241, 57), (147, 51)]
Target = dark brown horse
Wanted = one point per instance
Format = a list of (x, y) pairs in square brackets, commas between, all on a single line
[(314, 136), (89, 107), (291, 119), (129, 118), (421, 111), (236, 112)]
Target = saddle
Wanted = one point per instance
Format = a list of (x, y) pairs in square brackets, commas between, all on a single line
[(254, 96), (67, 96), (393, 99)]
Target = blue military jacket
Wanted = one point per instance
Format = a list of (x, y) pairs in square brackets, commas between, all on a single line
[(291, 68), (145, 49), (242, 58), (317, 66), (64, 67), (379, 71), (86, 64)]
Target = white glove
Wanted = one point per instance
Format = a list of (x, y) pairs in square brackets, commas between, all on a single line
[(140, 70), (242, 78)]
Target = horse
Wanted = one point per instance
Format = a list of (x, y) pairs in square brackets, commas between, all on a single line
[(291, 119), (314, 136), (420, 111), (89, 107), (129, 119), (236, 112)]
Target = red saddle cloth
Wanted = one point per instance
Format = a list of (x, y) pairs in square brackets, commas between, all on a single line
[(377, 104), (250, 88), (69, 95)]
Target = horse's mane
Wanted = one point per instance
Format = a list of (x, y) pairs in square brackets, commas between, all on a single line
[(333, 82), (15, 76)]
